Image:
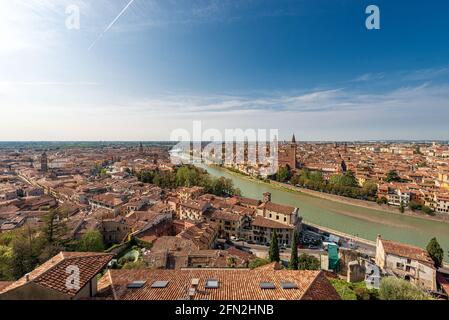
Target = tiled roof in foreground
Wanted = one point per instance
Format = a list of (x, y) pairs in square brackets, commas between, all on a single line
[(234, 284), (5, 284), (53, 274)]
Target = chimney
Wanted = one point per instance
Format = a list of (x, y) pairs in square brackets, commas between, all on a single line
[(27, 277), (195, 282), (267, 197), (192, 292)]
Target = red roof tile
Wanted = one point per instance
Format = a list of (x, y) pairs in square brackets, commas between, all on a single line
[(407, 251), (234, 284), (53, 273)]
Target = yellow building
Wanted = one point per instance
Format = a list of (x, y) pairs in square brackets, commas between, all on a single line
[(443, 178)]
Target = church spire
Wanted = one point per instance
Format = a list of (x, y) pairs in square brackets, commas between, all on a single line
[(141, 148), (293, 139)]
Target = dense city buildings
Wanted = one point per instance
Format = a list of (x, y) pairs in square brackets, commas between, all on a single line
[(156, 230), (401, 173)]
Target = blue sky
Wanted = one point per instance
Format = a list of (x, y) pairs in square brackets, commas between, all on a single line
[(308, 67)]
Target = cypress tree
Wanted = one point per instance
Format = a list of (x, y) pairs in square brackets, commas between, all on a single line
[(293, 265), (436, 252), (274, 248)]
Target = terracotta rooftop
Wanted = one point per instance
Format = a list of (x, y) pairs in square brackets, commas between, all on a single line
[(52, 274), (110, 199), (267, 223), (442, 279), (233, 284), (407, 251), (278, 207), (240, 253), (200, 206), (5, 284), (249, 201), (202, 234), (223, 215)]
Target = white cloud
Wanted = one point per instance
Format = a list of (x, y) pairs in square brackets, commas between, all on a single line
[(370, 77), (318, 101)]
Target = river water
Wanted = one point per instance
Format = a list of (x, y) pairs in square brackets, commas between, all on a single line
[(353, 220)]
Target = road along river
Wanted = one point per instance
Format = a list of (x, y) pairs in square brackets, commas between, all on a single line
[(357, 221)]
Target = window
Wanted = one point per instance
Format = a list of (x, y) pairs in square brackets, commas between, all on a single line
[(159, 284), (212, 284), (399, 265), (288, 285), (277, 217), (267, 285), (136, 284)]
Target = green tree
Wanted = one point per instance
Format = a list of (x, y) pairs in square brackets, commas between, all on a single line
[(392, 288), (146, 176), (274, 248), (428, 210), (258, 263), (393, 176), (139, 264), (349, 179), (283, 174), (92, 241), (294, 261), (401, 207), (221, 186), (413, 205), (308, 262), (335, 179), (354, 291), (6, 259), (188, 176), (54, 228), (316, 176), (164, 179), (436, 252), (26, 248), (231, 262), (369, 188), (295, 180)]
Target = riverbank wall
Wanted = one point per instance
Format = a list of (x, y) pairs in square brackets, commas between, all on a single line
[(286, 188), (344, 200), (360, 203), (341, 234)]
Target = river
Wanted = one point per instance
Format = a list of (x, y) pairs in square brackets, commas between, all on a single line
[(354, 220)]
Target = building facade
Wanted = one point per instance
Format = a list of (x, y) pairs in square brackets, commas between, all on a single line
[(407, 262)]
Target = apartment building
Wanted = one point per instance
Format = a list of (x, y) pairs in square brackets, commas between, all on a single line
[(396, 194), (407, 262), (109, 201), (440, 203)]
